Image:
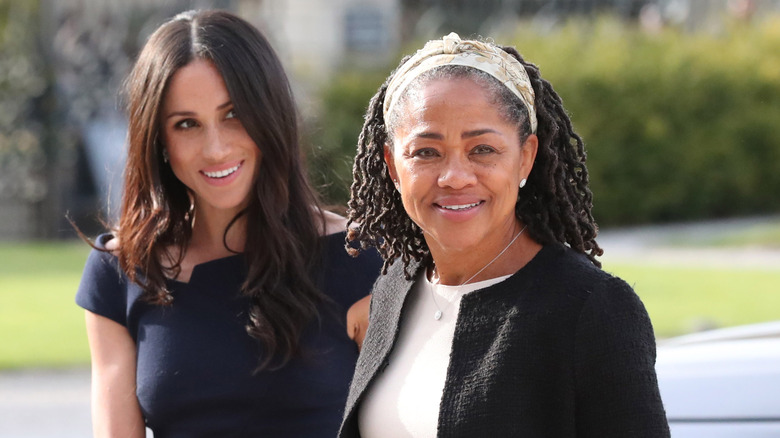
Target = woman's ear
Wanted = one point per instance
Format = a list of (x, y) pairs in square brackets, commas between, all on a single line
[(388, 149), (528, 155)]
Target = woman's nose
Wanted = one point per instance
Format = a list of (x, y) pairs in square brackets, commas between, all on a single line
[(457, 173), (216, 146)]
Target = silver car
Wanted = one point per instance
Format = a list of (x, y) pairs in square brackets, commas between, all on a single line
[(722, 383)]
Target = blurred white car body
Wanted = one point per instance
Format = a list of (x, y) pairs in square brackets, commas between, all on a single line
[(722, 383)]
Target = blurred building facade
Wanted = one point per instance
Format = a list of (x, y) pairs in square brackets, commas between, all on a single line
[(66, 68), (63, 61)]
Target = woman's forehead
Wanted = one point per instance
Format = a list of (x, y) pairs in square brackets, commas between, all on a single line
[(444, 99)]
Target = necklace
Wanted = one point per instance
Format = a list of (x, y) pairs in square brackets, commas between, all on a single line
[(439, 311)]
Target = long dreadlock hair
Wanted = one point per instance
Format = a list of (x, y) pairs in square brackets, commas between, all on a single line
[(555, 204)]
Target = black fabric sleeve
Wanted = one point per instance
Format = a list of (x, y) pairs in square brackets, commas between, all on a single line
[(616, 385), (102, 290)]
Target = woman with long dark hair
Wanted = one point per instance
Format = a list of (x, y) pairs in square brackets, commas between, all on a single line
[(222, 311)]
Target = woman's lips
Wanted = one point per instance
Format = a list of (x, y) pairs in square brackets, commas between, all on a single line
[(223, 176), (222, 173), (459, 211), (460, 207)]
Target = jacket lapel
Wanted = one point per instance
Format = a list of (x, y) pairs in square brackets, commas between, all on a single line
[(389, 294)]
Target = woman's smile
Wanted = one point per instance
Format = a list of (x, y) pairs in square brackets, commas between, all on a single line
[(222, 174), (461, 207), (455, 210)]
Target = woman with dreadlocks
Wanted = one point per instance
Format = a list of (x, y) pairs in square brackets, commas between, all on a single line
[(493, 317)]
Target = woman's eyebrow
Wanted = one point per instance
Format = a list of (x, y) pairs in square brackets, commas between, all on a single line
[(191, 113), (467, 134)]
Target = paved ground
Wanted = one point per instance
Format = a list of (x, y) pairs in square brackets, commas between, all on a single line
[(680, 244), (45, 404), (55, 404)]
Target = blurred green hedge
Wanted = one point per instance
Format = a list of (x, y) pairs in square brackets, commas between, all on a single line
[(678, 126), (332, 136)]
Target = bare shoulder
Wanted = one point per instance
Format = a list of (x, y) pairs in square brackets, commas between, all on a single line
[(334, 223), (112, 245)]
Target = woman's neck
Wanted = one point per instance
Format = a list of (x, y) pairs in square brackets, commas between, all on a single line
[(209, 241), (212, 231), (506, 256)]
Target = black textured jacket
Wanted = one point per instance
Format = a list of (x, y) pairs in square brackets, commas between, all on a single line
[(559, 349)]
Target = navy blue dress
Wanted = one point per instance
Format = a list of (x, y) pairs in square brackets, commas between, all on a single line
[(196, 362)]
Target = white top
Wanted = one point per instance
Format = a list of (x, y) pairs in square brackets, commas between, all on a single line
[(404, 400)]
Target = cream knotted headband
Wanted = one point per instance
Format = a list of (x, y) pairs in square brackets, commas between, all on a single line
[(451, 50)]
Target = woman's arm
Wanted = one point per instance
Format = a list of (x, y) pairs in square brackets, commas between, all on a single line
[(115, 409), (357, 320), (617, 389)]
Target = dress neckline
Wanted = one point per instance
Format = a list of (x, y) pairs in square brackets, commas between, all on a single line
[(205, 266)]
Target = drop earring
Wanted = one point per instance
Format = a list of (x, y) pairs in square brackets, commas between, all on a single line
[(522, 182), (165, 155)]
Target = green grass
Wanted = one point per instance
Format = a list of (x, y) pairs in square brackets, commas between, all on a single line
[(684, 299), (40, 324)]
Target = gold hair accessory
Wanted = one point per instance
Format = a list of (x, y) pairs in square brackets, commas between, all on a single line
[(451, 50)]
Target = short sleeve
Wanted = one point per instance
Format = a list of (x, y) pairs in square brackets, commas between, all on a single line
[(617, 388), (102, 289), (344, 278)]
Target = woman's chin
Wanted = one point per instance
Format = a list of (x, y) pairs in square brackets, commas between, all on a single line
[(453, 241)]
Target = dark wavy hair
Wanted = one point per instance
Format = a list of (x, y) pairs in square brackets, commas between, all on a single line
[(555, 204), (282, 231)]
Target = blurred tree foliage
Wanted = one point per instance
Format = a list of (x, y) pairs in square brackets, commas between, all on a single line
[(677, 126), (24, 85), (333, 135), (61, 67)]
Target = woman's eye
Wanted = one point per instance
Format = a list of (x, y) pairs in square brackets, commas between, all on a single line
[(231, 114), (483, 149), (425, 153), (185, 124)]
